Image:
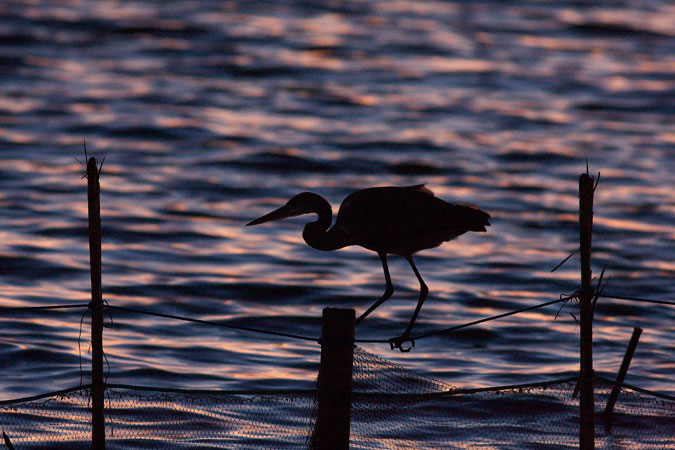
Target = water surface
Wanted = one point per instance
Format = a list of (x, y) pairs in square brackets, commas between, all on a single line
[(211, 113)]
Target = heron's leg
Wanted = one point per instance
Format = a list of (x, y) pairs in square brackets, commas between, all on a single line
[(424, 290), (387, 292)]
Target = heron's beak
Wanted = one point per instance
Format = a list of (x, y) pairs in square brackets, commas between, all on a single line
[(282, 213)]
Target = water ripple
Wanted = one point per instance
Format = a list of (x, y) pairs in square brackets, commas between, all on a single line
[(211, 114)]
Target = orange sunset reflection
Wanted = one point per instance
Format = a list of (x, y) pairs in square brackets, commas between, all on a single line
[(212, 114)]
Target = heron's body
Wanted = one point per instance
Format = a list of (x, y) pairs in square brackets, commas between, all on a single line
[(404, 220), (386, 220)]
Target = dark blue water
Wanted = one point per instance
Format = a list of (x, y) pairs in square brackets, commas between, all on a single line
[(211, 113)]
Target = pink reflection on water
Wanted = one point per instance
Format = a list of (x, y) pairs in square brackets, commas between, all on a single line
[(497, 164)]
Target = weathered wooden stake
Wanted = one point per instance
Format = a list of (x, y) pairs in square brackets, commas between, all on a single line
[(96, 308), (586, 400), (335, 380), (627, 357)]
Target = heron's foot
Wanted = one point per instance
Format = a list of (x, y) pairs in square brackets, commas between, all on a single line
[(398, 342)]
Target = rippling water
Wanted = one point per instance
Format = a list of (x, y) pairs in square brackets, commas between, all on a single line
[(211, 113)]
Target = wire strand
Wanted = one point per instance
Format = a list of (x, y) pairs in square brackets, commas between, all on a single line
[(499, 316), (216, 324), (475, 322), (635, 388), (307, 338), (36, 308), (636, 299), (543, 384)]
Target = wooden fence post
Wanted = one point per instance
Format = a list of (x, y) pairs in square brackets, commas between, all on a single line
[(586, 400), (335, 380), (96, 308)]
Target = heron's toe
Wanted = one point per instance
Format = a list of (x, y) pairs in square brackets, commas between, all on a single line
[(397, 342)]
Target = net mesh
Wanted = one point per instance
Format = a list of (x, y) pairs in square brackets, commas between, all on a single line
[(393, 408)]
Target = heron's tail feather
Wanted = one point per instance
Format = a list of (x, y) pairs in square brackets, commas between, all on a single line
[(472, 217)]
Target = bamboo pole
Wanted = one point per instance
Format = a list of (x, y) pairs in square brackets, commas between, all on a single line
[(586, 400), (331, 431), (620, 376), (96, 308)]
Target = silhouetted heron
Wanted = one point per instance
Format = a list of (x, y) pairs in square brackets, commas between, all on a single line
[(386, 220)]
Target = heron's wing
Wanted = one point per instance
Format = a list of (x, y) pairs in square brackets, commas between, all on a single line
[(421, 188), (400, 220)]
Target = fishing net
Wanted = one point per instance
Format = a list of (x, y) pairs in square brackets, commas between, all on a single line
[(392, 408)]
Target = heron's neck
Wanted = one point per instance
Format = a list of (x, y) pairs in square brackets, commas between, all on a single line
[(317, 234)]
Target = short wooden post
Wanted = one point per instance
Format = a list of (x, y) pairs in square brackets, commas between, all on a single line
[(96, 308), (586, 400), (627, 357), (331, 431)]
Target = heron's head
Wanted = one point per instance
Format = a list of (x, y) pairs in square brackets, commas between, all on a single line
[(303, 203)]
